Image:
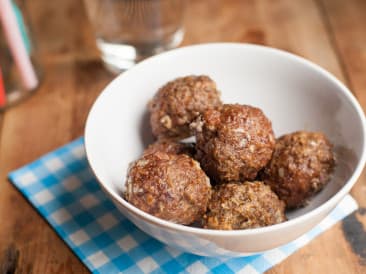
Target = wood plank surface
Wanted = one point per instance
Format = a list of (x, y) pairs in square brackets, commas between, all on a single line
[(331, 33)]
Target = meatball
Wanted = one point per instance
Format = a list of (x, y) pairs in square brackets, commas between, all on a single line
[(170, 146), (233, 142), (300, 166), (169, 186), (179, 102), (243, 205)]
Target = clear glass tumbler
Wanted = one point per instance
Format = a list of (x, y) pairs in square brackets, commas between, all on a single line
[(128, 31), (19, 71)]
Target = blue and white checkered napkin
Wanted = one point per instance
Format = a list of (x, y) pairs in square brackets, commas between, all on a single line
[(61, 186)]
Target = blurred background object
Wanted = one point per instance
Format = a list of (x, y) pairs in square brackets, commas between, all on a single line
[(128, 31), (18, 74)]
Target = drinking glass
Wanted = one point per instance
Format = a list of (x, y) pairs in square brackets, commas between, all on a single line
[(128, 31), (19, 72)]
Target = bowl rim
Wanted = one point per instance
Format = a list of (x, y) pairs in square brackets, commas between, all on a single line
[(329, 204)]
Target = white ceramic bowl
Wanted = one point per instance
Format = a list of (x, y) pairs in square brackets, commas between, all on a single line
[(294, 93)]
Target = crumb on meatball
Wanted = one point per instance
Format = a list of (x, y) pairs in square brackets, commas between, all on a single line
[(243, 205), (300, 167), (234, 142), (169, 186), (170, 146), (179, 102)]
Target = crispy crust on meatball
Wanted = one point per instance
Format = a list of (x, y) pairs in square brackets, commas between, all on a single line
[(300, 167), (243, 205), (233, 142), (179, 102), (168, 186)]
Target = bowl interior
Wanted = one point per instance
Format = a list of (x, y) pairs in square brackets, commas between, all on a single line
[(293, 93)]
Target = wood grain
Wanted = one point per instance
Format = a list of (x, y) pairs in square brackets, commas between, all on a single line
[(329, 32)]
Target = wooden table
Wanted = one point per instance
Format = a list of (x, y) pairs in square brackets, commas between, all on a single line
[(331, 33)]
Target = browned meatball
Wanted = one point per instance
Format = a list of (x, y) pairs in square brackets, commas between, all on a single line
[(179, 102), (243, 205), (233, 142), (300, 166), (171, 146), (168, 186)]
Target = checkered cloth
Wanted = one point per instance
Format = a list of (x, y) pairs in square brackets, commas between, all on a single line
[(61, 186)]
